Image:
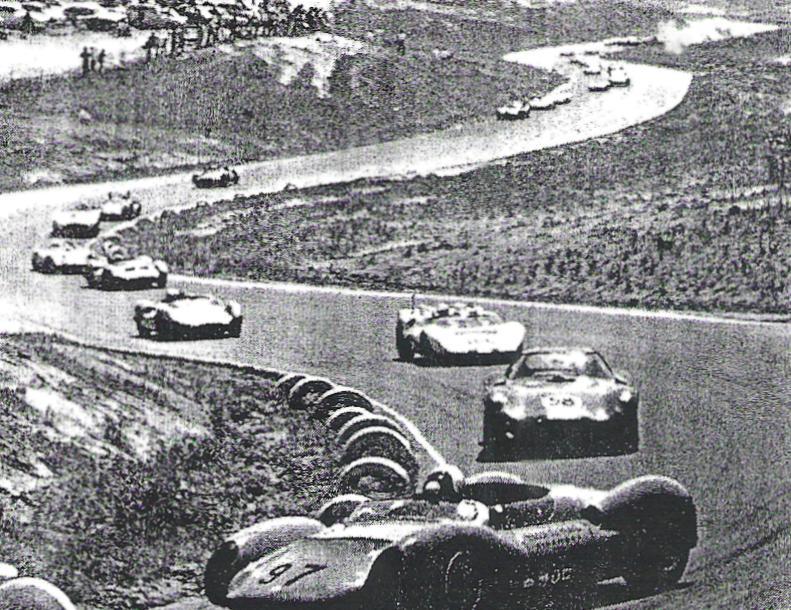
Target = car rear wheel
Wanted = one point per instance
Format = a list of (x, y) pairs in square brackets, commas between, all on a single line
[(235, 328), (162, 280), (463, 583), (657, 568), (48, 266)]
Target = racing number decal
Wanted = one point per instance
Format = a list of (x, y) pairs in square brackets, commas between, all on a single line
[(546, 579), (279, 570)]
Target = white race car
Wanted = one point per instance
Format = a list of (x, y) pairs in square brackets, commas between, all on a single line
[(545, 102), (132, 274), (457, 333), (618, 77), (182, 315), (214, 178), (64, 256), (120, 207), (514, 111), (600, 84), (76, 223)]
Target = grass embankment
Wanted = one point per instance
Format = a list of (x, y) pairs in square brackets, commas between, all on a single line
[(156, 463), (632, 219), (213, 106)]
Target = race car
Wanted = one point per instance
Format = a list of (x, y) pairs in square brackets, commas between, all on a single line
[(212, 178), (600, 84), (559, 402), (546, 102), (514, 111), (451, 334), (64, 256), (120, 207), (618, 77), (488, 541), (561, 95), (183, 315), (130, 274), (79, 224)]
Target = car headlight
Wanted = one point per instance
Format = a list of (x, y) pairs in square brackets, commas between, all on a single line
[(625, 396)]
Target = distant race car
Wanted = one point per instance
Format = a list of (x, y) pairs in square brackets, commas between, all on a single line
[(514, 111), (130, 274), (600, 84), (483, 542), (79, 224), (562, 95), (618, 77), (120, 207), (545, 102), (449, 334), (64, 256), (182, 315), (212, 178), (559, 400)]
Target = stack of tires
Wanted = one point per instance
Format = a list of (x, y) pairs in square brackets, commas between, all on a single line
[(378, 458)]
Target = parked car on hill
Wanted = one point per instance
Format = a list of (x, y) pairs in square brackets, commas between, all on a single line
[(64, 256), (136, 273), (79, 224), (183, 315), (458, 333), (483, 541), (213, 178), (559, 401)]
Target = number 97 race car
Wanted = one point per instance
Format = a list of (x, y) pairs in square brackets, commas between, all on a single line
[(484, 541)]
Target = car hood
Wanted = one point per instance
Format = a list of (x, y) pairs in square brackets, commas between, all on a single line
[(583, 398), (308, 571), (495, 338), (86, 217), (198, 312)]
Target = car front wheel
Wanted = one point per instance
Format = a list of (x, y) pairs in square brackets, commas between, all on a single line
[(657, 569)]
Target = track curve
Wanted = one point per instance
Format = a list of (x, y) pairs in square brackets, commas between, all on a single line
[(714, 396)]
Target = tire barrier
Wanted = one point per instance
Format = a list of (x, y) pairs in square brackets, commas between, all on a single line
[(286, 382), (338, 397), (361, 422), (375, 475), (340, 417), (306, 386), (339, 508), (378, 441)]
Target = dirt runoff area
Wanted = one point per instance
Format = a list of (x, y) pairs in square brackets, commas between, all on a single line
[(119, 474)]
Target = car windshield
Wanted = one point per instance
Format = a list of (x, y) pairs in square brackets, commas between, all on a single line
[(571, 364), (407, 510)]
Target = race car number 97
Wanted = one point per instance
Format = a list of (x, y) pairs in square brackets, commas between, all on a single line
[(279, 570)]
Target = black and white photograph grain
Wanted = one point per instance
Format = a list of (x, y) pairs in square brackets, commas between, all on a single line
[(395, 304)]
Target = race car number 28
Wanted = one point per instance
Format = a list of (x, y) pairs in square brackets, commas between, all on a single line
[(296, 572)]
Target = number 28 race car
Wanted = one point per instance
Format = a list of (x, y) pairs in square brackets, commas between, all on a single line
[(458, 333), (182, 315), (559, 401), (483, 542), (131, 274)]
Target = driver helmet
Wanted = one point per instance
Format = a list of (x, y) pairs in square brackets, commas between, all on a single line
[(444, 484)]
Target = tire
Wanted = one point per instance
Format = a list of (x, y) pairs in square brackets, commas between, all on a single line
[(463, 583), (384, 475), (143, 331), (48, 265), (309, 385), (285, 383), (338, 398), (367, 420), (342, 416), (235, 330), (427, 351), (656, 569), (162, 280), (378, 441), (339, 508)]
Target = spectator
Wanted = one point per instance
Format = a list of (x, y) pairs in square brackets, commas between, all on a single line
[(100, 60), (86, 60), (93, 59)]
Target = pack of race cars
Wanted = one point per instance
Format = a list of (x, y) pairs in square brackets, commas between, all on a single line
[(73, 249), (483, 541)]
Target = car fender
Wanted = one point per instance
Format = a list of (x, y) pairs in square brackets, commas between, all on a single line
[(249, 545)]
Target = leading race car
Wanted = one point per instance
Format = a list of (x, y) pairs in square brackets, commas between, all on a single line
[(559, 402), (79, 224), (445, 334), (64, 256), (212, 178), (183, 315), (120, 207), (130, 274), (490, 541)]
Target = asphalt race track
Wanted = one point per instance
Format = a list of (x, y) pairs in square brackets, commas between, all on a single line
[(714, 409)]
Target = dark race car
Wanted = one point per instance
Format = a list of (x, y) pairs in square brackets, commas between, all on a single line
[(213, 178), (559, 402), (138, 273), (490, 541), (183, 315), (120, 207)]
